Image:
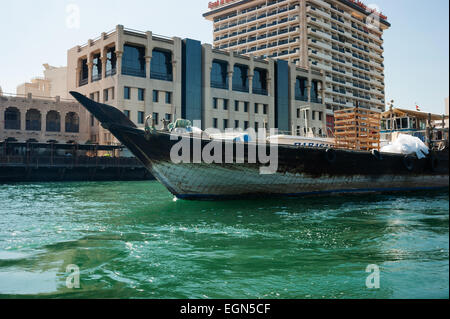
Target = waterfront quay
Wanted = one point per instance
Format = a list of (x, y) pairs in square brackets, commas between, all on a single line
[(48, 162)]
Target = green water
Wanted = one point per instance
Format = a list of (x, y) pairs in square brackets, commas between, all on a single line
[(132, 240)]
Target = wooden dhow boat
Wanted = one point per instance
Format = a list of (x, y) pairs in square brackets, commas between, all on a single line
[(300, 170)]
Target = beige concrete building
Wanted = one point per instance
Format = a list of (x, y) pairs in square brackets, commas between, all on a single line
[(28, 118), (52, 84), (342, 38), (144, 74)]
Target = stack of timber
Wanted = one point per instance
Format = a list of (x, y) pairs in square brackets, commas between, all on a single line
[(357, 129)]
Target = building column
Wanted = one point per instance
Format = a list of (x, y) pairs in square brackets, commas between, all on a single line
[(104, 60), (250, 84), (308, 90), (174, 69), (148, 61), (90, 68), (230, 79), (77, 76), (119, 55)]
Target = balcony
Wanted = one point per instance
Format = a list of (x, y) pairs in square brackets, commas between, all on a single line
[(84, 81), (219, 85), (96, 77), (111, 72), (317, 100), (260, 91), (161, 76), (240, 88), (303, 98), (133, 72)]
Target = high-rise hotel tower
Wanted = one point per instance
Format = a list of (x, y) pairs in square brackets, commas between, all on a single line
[(341, 38)]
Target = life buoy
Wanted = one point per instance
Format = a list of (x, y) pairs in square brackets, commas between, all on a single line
[(408, 162), (377, 155), (330, 155)]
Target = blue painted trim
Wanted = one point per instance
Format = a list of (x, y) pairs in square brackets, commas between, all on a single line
[(331, 192)]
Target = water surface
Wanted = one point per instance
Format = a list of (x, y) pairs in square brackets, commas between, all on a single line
[(132, 240)]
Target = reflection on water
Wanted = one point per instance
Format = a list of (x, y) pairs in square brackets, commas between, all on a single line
[(132, 240)]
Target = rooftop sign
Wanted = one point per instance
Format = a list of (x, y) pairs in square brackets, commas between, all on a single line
[(214, 4)]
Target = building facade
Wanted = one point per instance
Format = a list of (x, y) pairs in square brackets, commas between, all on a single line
[(341, 38), (170, 78), (32, 119), (52, 84)]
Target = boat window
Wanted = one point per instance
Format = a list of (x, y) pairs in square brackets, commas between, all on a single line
[(405, 123)]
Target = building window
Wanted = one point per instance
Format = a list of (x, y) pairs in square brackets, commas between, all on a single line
[(133, 61), (236, 124), (240, 78), (96, 68), (33, 120), (265, 108), (105, 95), (219, 75), (92, 120), (320, 116), (168, 98), (126, 93), (72, 123), (256, 126), (246, 125), (111, 62), (313, 115), (53, 122), (161, 65), (225, 124), (260, 82), (225, 104), (155, 96), (214, 103), (127, 113), (84, 73), (300, 89), (156, 118), (168, 117), (141, 94), (112, 93), (256, 108), (246, 107), (236, 106), (12, 118), (141, 116), (214, 123), (298, 113), (315, 92)]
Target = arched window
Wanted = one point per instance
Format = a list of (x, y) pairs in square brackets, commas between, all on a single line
[(260, 82), (219, 76), (72, 123), (133, 61), (33, 120), (240, 78), (161, 65), (53, 122), (300, 89), (12, 119)]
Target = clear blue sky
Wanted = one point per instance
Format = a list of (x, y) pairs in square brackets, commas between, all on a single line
[(35, 32)]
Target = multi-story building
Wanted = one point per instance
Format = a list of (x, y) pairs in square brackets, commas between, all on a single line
[(54, 83), (145, 74), (33, 119), (342, 38)]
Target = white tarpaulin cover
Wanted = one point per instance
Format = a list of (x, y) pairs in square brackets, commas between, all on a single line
[(407, 144)]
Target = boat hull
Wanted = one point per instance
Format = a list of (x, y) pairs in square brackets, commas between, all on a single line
[(300, 170)]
